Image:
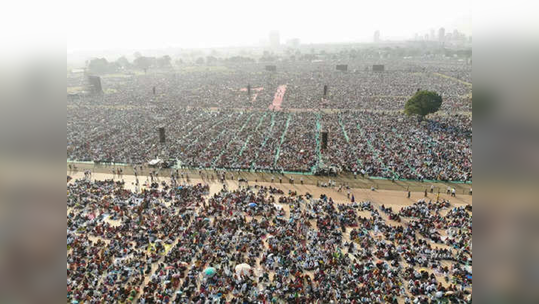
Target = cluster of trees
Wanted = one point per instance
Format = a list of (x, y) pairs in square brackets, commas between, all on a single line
[(101, 66), (214, 60)]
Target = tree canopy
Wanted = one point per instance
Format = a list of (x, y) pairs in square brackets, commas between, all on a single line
[(144, 63), (123, 62), (423, 103), (101, 66), (164, 62)]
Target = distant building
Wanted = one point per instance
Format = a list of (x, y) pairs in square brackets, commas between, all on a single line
[(432, 35), (376, 36), (274, 39), (441, 34), (295, 42), (458, 36)]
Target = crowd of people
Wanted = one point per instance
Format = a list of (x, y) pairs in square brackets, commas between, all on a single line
[(395, 146), (211, 121), (389, 145), (372, 90), (359, 88), (175, 242)]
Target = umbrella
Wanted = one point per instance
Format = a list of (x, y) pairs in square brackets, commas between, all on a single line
[(242, 269), (253, 205), (210, 272)]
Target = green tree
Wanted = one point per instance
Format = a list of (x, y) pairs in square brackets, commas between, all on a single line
[(123, 62), (144, 63), (423, 103), (164, 62), (211, 59), (101, 66)]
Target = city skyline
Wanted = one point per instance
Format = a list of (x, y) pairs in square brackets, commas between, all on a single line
[(265, 41), (237, 24)]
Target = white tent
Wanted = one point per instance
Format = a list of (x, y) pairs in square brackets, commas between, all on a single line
[(242, 269), (155, 162)]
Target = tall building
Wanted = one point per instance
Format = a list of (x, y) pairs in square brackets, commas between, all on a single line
[(441, 34), (376, 36), (295, 42), (274, 39), (432, 35)]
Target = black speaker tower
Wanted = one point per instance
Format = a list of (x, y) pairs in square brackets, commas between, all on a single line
[(162, 135), (324, 140), (94, 85)]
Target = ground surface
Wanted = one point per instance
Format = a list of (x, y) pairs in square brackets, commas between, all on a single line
[(346, 178)]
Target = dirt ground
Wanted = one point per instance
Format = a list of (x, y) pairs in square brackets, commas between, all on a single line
[(462, 190), (389, 198)]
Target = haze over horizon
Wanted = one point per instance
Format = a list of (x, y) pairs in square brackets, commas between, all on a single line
[(241, 23)]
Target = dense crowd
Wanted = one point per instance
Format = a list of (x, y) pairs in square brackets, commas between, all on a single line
[(388, 145), (226, 87), (395, 146), (171, 242), (211, 121), (372, 90)]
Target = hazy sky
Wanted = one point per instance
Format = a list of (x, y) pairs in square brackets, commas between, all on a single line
[(105, 24)]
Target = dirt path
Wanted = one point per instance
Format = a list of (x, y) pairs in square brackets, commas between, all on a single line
[(346, 178)]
